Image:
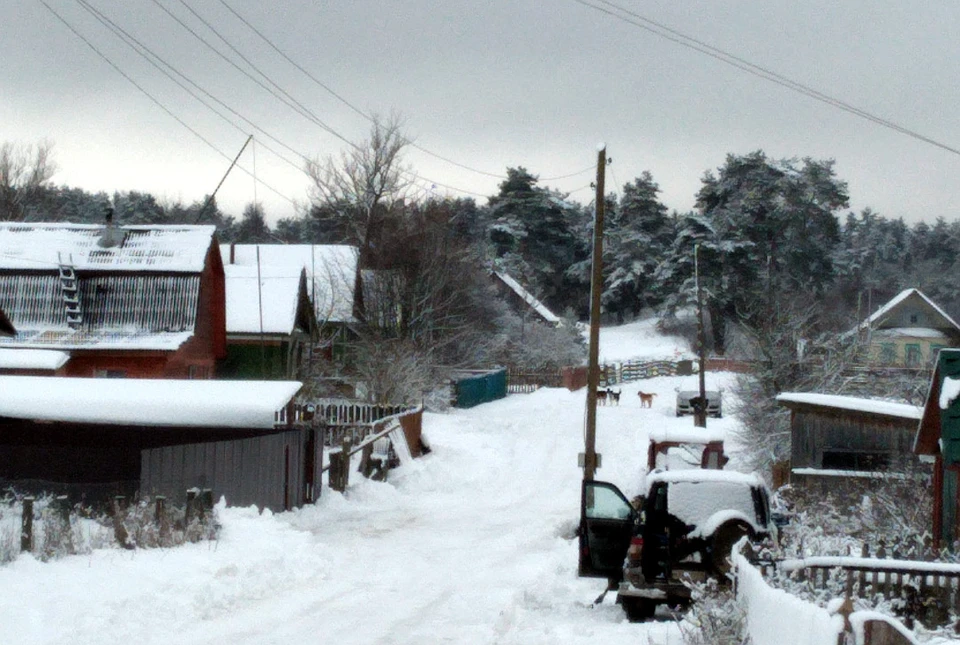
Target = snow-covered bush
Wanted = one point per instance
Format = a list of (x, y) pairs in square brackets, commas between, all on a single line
[(715, 617), (89, 529)]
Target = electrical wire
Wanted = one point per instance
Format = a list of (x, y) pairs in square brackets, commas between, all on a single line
[(290, 101), (153, 99), (368, 117), (163, 66), (756, 70)]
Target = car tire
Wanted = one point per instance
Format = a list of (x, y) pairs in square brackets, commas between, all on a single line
[(638, 610), (721, 544)]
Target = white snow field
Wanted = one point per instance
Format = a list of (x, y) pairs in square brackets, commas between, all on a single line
[(472, 543)]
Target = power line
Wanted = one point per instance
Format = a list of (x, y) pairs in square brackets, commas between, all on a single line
[(156, 61), (289, 101), (151, 97), (368, 117), (756, 70)]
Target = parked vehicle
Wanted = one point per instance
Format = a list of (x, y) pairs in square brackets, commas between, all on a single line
[(686, 400), (686, 525)]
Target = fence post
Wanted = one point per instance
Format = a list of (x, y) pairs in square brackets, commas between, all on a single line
[(189, 509), (26, 525), (345, 463), (206, 502), (160, 517), (119, 530)]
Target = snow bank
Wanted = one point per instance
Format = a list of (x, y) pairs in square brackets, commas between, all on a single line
[(775, 617)]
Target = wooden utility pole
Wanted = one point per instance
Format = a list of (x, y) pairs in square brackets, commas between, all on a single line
[(590, 457), (700, 408)]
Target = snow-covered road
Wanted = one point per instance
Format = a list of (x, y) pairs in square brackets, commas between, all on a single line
[(470, 544)]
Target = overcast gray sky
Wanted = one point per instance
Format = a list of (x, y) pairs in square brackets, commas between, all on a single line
[(491, 84)]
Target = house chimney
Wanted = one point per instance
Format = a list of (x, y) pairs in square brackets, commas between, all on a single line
[(110, 236)]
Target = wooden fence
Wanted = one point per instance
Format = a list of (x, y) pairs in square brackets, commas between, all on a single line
[(625, 372), (928, 591), (521, 380)]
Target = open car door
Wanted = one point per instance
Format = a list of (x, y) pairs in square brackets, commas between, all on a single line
[(607, 522)]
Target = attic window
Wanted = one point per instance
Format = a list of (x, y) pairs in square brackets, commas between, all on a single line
[(914, 319)]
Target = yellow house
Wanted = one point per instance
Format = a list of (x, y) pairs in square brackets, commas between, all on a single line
[(908, 331)]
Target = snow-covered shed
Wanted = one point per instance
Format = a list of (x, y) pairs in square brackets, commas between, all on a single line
[(843, 437), (332, 280), (270, 321), (331, 271), (97, 438), (122, 301), (938, 436), (908, 331)]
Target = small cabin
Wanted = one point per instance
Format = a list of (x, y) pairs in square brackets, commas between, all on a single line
[(270, 322), (835, 438)]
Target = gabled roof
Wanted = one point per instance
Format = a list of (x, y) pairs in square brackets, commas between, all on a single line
[(146, 402), (794, 400), (141, 248), (331, 271), (271, 309), (884, 312), (528, 298)]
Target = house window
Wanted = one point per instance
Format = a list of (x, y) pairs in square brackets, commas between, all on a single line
[(109, 374), (913, 355), (888, 353), (914, 319), (839, 460)]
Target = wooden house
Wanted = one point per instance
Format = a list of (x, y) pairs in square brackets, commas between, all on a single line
[(938, 437), (837, 440), (130, 301), (333, 280), (907, 331), (96, 438), (270, 322)]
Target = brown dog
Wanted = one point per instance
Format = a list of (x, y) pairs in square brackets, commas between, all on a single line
[(646, 400)]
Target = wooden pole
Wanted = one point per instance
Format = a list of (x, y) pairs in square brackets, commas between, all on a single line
[(700, 409), (26, 525), (596, 289)]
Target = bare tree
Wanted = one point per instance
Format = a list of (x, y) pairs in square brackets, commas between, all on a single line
[(24, 171)]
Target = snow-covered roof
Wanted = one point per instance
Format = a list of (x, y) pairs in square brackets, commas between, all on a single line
[(143, 248), (528, 298), (331, 271), (910, 332), (883, 311), (148, 402), (871, 406), (692, 435), (277, 298), (32, 359), (103, 339), (703, 475)]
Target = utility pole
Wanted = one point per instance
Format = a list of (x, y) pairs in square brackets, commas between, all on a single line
[(700, 405), (591, 460)]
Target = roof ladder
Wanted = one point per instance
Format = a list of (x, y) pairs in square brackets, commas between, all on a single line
[(70, 289)]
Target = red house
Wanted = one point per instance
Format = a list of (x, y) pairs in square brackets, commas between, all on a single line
[(124, 301)]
